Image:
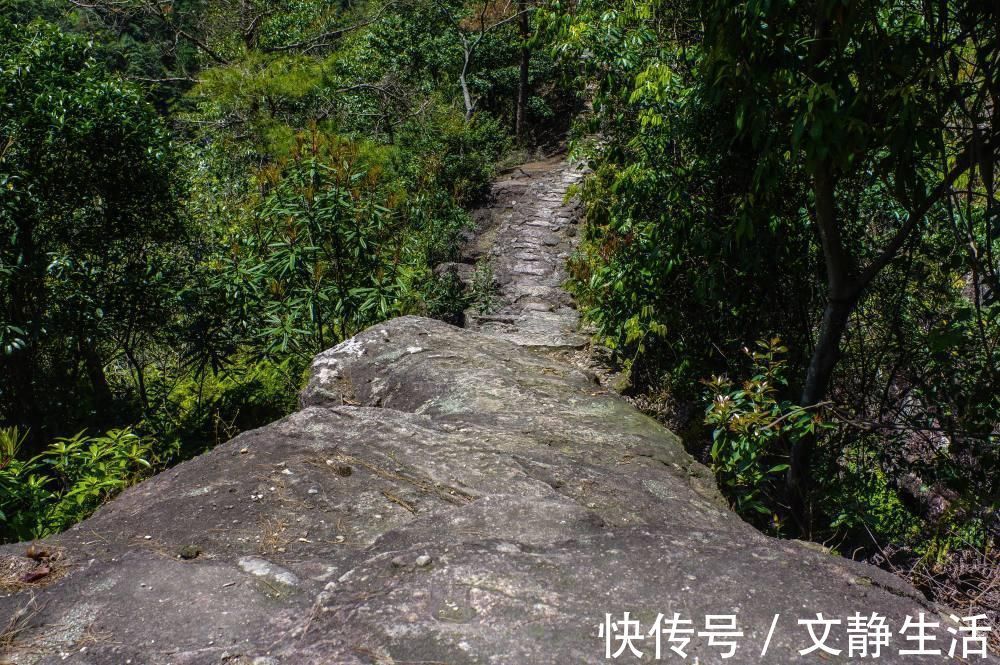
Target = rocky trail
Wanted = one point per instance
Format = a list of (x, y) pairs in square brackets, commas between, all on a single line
[(529, 234), (444, 495)]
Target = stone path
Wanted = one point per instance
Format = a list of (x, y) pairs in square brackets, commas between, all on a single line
[(527, 233)]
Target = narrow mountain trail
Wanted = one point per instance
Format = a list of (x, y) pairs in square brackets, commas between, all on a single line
[(461, 496), (530, 232)]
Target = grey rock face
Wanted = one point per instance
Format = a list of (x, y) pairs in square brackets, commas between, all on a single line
[(443, 496)]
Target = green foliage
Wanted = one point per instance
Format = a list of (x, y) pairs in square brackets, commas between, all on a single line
[(666, 262), (781, 158), (201, 410), (175, 251), (753, 429), (484, 294), (446, 298), (326, 251), (864, 498), (67, 481), (88, 222), (444, 152)]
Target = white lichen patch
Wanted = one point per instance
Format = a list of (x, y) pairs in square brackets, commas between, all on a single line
[(659, 489), (349, 347), (198, 491), (260, 567)]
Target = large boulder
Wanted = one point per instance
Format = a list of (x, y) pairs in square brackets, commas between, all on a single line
[(443, 496)]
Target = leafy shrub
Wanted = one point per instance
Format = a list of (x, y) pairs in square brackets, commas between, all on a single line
[(753, 431), (446, 298), (88, 229), (446, 152), (485, 296), (67, 481), (200, 411), (311, 193)]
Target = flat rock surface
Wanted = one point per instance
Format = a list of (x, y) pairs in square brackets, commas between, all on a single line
[(443, 496)]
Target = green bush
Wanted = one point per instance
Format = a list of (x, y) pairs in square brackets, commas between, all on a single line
[(446, 298), (251, 207), (200, 411), (753, 431), (67, 481), (445, 152), (485, 292)]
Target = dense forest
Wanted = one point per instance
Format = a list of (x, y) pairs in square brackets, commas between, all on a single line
[(791, 255)]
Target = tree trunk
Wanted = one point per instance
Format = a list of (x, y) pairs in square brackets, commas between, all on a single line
[(842, 288), (522, 83), (26, 304), (842, 295), (103, 399), (470, 106), (140, 379), (827, 351), (824, 358)]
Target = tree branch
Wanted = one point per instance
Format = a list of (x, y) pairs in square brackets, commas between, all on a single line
[(962, 164)]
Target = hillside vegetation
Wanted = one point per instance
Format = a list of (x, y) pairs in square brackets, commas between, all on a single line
[(792, 251)]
